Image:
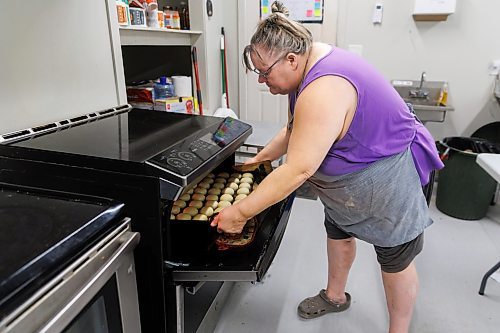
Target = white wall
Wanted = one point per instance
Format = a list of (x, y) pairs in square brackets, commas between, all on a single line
[(52, 67), (224, 15), (458, 50)]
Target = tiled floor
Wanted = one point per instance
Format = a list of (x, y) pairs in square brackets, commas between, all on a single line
[(456, 255)]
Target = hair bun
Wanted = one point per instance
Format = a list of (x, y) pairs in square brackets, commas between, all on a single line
[(279, 8)]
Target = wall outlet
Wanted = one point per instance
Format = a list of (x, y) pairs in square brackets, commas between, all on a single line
[(495, 67)]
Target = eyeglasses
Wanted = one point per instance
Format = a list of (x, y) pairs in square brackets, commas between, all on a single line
[(265, 74)]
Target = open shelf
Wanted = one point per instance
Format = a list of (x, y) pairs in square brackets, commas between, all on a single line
[(157, 36)]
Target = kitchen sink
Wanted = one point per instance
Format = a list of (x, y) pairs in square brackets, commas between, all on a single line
[(424, 96)]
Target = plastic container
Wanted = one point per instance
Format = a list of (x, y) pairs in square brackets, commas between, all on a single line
[(167, 16), (176, 20), (152, 18), (464, 190), (443, 95), (161, 19), (161, 88)]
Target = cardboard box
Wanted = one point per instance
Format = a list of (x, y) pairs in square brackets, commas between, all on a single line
[(141, 105), (140, 94), (175, 104)]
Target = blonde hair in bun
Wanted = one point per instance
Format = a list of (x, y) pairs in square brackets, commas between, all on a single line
[(279, 7), (279, 35)]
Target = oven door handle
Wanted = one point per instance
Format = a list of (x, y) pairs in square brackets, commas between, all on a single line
[(128, 240)]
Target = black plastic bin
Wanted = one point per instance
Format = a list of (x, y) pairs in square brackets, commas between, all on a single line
[(464, 189)]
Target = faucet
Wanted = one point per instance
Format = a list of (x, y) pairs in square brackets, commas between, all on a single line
[(422, 79), (420, 92)]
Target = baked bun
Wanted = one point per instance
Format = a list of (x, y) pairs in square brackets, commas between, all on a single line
[(215, 191), (208, 211), (183, 216), (212, 197), (175, 210), (245, 185), (190, 210), (198, 197), (180, 203), (200, 217), (196, 203), (185, 197), (226, 197), (211, 203), (228, 190), (243, 191), (223, 204), (200, 190)]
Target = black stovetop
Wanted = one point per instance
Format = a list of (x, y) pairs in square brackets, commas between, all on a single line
[(40, 232), (179, 143)]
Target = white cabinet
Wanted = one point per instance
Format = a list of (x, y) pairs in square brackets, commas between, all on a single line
[(433, 10), (201, 36)]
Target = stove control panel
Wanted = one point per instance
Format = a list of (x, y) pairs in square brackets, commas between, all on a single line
[(189, 154)]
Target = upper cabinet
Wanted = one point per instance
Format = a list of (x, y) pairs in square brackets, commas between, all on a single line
[(433, 10)]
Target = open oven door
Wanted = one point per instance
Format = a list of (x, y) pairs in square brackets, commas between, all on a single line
[(195, 258)]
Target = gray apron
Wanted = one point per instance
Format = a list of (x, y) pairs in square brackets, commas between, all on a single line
[(383, 204)]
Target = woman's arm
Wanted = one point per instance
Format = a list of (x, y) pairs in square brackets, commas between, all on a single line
[(276, 148), (318, 123)]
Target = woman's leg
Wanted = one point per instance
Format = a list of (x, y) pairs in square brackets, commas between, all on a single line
[(341, 254), (400, 292)]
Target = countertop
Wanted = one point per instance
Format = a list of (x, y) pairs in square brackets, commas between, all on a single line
[(262, 133), (491, 164)]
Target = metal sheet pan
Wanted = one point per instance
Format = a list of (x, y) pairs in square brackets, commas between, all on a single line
[(195, 259)]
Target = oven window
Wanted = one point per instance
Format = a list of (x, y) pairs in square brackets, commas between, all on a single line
[(102, 314)]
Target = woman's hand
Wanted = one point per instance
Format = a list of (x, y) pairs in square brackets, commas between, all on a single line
[(230, 220), (252, 160)]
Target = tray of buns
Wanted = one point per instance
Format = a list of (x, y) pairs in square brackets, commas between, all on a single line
[(198, 204)]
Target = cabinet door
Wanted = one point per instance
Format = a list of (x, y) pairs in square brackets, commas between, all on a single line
[(256, 102)]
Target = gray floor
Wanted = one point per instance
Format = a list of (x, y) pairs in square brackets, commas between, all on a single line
[(456, 255)]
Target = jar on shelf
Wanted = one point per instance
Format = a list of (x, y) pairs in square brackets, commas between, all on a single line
[(176, 19), (167, 15), (184, 14)]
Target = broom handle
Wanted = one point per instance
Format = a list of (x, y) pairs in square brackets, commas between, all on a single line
[(225, 68), (197, 79)]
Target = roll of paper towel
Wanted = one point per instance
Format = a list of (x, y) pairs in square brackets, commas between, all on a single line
[(182, 86)]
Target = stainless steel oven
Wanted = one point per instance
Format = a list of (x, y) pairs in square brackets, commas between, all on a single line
[(148, 159), (76, 275)]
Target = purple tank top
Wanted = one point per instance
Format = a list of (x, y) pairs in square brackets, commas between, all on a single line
[(382, 125)]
